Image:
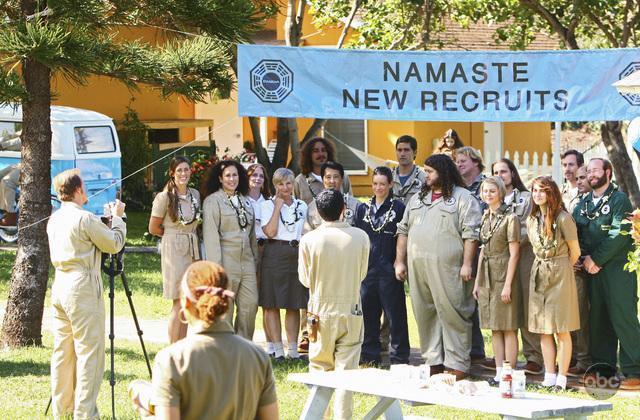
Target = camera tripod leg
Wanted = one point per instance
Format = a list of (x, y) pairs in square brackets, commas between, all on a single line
[(127, 291), (112, 376)]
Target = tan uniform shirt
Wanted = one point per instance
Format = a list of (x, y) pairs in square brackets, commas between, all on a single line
[(225, 242), (77, 239), (496, 233), (213, 374), (570, 196), (553, 301), (180, 245), (412, 186), (307, 187), (333, 260), (314, 220)]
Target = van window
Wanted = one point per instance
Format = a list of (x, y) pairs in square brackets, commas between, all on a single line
[(94, 140), (7, 128)]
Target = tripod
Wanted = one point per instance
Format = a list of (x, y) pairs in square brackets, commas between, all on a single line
[(113, 265)]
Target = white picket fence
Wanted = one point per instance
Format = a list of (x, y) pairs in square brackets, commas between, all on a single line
[(530, 165)]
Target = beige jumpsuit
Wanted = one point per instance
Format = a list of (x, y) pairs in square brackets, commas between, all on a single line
[(236, 249), (442, 301), (332, 262), (9, 181), (521, 206), (180, 245), (553, 301), (306, 187), (412, 186), (77, 239)]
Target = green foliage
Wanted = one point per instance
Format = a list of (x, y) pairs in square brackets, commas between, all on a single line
[(136, 153), (78, 38)]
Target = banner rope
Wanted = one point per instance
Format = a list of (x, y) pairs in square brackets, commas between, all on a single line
[(198, 138)]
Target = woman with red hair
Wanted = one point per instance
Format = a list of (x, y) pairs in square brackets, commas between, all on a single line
[(553, 297)]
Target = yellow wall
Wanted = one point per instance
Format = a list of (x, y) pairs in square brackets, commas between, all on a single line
[(111, 97), (529, 136)]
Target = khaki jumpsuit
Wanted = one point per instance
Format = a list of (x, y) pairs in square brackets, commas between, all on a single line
[(306, 187), (442, 301), (521, 206), (412, 186), (553, 298), (180, 245), (496, 233), (236, 249), (332, 262), (77, 239), (9, 181)]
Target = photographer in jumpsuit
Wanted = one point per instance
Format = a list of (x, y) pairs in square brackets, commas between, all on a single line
[(77, 239), (332, 262)]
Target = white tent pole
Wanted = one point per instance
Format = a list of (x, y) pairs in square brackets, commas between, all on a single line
[(555, 159)]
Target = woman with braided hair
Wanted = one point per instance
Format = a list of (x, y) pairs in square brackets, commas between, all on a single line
[(212, 373), (175, 215)]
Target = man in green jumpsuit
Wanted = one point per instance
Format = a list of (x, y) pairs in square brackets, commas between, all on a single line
[(614, 292)]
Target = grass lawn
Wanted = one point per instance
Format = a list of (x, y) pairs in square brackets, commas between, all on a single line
[(26, 371)]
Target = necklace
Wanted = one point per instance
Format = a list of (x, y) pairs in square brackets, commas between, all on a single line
[(485, 238), (195, 210), (389, 215), (291, 226), (241, 212), (601, 208), (545, 243)]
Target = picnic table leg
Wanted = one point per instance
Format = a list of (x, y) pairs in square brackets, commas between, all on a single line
[(317, 403), (390, 407)]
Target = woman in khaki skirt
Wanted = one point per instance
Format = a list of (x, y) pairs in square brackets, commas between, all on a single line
[(553, 297), (175, 215), (282, 221), (230, 239), (497, 293)]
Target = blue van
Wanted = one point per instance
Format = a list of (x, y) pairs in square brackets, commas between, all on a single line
[(81, 139)]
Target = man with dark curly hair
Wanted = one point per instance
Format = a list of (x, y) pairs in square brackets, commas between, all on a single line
[(438, 236)]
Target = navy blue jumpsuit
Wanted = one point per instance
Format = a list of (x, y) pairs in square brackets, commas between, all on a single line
[(380, 291)]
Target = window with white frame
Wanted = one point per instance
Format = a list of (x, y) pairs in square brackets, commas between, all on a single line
[(352, 133)]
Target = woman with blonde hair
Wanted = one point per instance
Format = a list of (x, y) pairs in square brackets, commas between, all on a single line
[(553, 297), (283, 218), (497, 293), (175, 216), (212, 373)]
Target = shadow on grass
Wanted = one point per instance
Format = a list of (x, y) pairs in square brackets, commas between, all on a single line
[(10, 368)]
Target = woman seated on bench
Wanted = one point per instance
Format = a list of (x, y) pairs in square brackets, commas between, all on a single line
[(212, 373)]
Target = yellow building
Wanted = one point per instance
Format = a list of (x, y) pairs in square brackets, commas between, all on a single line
[(182, 121)]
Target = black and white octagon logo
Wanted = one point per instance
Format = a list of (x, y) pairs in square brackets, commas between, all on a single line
[(632, 98), (271, 81)]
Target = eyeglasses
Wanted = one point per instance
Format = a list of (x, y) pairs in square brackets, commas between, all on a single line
[(595, 171)]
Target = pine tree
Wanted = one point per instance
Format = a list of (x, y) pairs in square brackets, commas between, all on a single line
[(76, 39)]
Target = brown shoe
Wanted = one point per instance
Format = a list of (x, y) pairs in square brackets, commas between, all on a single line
[(436, 369), (576, 372), (303, 345), (9, 219), (460, 375), (532, 368), (630, 384), (489, 364)]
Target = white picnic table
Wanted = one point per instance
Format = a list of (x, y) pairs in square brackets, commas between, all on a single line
[(390, 390)]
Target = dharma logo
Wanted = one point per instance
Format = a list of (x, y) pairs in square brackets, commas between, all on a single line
[(271, 81), (632, 98)]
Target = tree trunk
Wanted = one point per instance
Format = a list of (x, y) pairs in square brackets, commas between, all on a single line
[(22, 325), (294, 141), (622, 166)]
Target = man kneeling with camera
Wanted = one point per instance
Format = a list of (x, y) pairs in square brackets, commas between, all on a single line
[(77, 239)]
